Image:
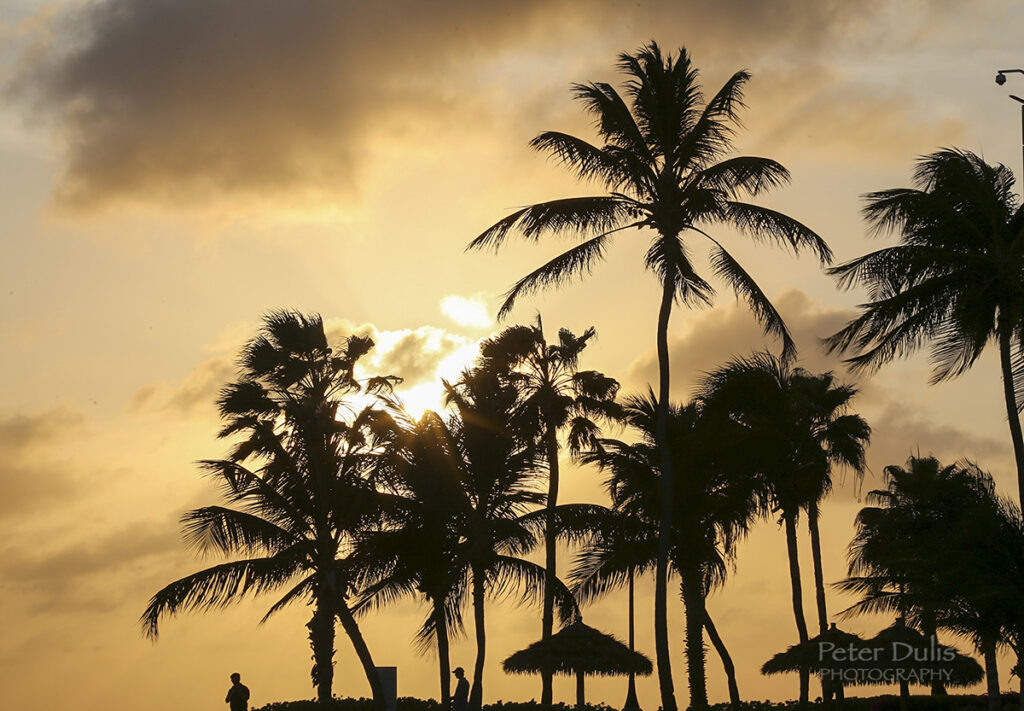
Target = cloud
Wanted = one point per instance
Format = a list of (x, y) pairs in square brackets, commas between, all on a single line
[(419, 356), (80, 576), (18, 433), (195, 395), (198, 101), (900, 431), (712, 337), (471, 311), (34, 469)]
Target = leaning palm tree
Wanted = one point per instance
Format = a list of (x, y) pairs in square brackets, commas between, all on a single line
[(298, 484), (955, 280), (719, 498), (664, 166), (555, 396), (799, 427)]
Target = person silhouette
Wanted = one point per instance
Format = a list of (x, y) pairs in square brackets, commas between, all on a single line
[(238, 694), (460, 701)]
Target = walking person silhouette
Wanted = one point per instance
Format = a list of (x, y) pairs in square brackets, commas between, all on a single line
[(460, 701), (238, 694)]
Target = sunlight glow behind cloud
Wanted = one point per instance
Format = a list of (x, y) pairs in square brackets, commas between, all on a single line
[(465, 311)]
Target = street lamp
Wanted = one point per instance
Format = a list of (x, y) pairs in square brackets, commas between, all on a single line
[(1000, 80)]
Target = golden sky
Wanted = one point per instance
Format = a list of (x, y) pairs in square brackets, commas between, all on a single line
[(170, 170)]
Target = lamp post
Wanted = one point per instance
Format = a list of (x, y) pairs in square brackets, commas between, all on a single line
[(1000, 80)]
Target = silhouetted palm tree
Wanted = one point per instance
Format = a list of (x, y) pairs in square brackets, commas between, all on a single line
[(718, 499), (497, 507), (799, 425), (419, 554), (663, 163), (942, 550), (555, 396), (955, 280), (298, 480)]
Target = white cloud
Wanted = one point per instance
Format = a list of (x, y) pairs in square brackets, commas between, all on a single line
[(471, 311)]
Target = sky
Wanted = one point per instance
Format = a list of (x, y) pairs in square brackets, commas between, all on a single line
[(171, 170)]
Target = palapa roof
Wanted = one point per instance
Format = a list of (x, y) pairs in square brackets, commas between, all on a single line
[(578, 648), (963, 670), (960, 671), (808, 654)]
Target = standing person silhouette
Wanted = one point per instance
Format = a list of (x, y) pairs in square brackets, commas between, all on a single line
[(460, 702), (238, 694)]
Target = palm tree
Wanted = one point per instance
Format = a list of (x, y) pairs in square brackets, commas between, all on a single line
[(304, 494), (555, 396), (498, 520), (939, 548), (419, 553), (719, 498), (799, 426), (955, 280), (663, 164)]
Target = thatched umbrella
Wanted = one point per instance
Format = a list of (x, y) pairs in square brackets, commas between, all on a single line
[(816, 655), (897, 653), (906, 649), (578, 649)]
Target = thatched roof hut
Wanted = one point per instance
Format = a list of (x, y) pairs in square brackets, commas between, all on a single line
[(579, 649)]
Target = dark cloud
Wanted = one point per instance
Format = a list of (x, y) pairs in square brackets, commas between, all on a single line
[(189, 100)]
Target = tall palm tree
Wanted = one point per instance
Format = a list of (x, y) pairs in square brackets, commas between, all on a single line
[(799, 427), (719, 498), (418, 554), (498, 501), (663, 164), (298, 479), (555, 396), (954, 280), (941, 549)]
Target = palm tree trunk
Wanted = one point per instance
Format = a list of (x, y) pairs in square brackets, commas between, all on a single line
[(692, 589), (548, 617), (351, 627), (321, 640), (443, 660), (1006, 363), (632, 703), (798, 600), (476, 693), (661, 643), (929, 628), (992, 674), (581, 696), (723, 654), (819, 575), (830, 687)]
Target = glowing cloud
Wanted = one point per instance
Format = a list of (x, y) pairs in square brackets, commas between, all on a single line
[(464, 311)]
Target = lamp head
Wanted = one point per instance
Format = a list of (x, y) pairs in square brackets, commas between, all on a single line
[(1000, 78)]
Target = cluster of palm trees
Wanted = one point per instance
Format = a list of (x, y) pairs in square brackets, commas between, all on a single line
[(941, 549), (349, 503), (342, 499)]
